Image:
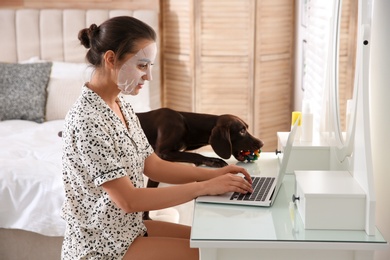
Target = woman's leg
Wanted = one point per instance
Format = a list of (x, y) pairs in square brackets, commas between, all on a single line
[(165, 241), (167, 229)]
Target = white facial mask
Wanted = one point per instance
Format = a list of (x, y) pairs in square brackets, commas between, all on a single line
[(132, 71)]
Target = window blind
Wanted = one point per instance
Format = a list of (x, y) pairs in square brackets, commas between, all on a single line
[(315, 55)]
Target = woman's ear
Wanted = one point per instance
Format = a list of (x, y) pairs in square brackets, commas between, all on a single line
[(109, 59)]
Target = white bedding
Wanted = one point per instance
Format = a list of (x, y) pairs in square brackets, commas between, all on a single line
[(31, 189)]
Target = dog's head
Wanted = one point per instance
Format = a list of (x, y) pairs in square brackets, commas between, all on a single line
[(230, 136)]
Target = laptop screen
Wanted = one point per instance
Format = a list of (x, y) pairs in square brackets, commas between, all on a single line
[(286, 156)]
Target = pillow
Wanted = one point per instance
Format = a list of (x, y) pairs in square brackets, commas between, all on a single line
[(64, 87), (23, 90), (65, 84)]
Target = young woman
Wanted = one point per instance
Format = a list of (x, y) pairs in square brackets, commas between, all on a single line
[(106, 153)]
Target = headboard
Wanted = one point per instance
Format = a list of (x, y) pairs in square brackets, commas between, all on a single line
[(51, 35)]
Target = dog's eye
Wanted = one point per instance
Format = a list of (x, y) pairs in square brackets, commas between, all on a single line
[(243, 131)]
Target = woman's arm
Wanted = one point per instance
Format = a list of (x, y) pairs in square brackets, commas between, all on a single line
[(197, 181), (178, 173), (132, 199)]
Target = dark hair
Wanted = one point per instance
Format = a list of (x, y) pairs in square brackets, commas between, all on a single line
[(119, 34)]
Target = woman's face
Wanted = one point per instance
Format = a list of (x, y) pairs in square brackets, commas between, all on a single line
[(137, 68)]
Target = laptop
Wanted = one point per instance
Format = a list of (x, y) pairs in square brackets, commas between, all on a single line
[(265, 186)]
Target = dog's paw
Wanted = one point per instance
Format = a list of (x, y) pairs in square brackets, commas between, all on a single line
[(215, 162)]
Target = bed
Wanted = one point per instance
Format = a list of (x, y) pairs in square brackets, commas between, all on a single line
[(42, 70)]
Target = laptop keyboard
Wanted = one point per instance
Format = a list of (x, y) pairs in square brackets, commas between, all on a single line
[(261, 187)]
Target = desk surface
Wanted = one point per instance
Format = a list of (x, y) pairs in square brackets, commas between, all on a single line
[(232, 225)]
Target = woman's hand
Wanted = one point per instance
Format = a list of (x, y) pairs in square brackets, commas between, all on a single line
[(229, 181), (234, 169)]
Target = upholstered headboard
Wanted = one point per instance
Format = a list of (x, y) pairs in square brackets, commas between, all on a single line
[(51, 35)]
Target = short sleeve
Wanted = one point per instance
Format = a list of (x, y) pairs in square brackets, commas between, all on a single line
[(98, 151)]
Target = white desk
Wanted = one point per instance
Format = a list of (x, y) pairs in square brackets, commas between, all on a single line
[(244, 232)]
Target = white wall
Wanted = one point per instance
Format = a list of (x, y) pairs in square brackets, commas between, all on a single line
[(380, 117)]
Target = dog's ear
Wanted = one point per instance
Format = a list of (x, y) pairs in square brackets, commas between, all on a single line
[(220, 141)]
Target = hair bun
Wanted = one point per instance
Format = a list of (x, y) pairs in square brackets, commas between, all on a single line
[(86, 35), (92, 29)]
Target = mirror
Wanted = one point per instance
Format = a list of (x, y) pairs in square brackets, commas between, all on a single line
[(344, 132), (328, 29), (346, 64)]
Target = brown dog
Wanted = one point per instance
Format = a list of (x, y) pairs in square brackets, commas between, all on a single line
[(172, 134)]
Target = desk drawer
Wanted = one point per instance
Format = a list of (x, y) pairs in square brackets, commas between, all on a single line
[(330, 200)]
